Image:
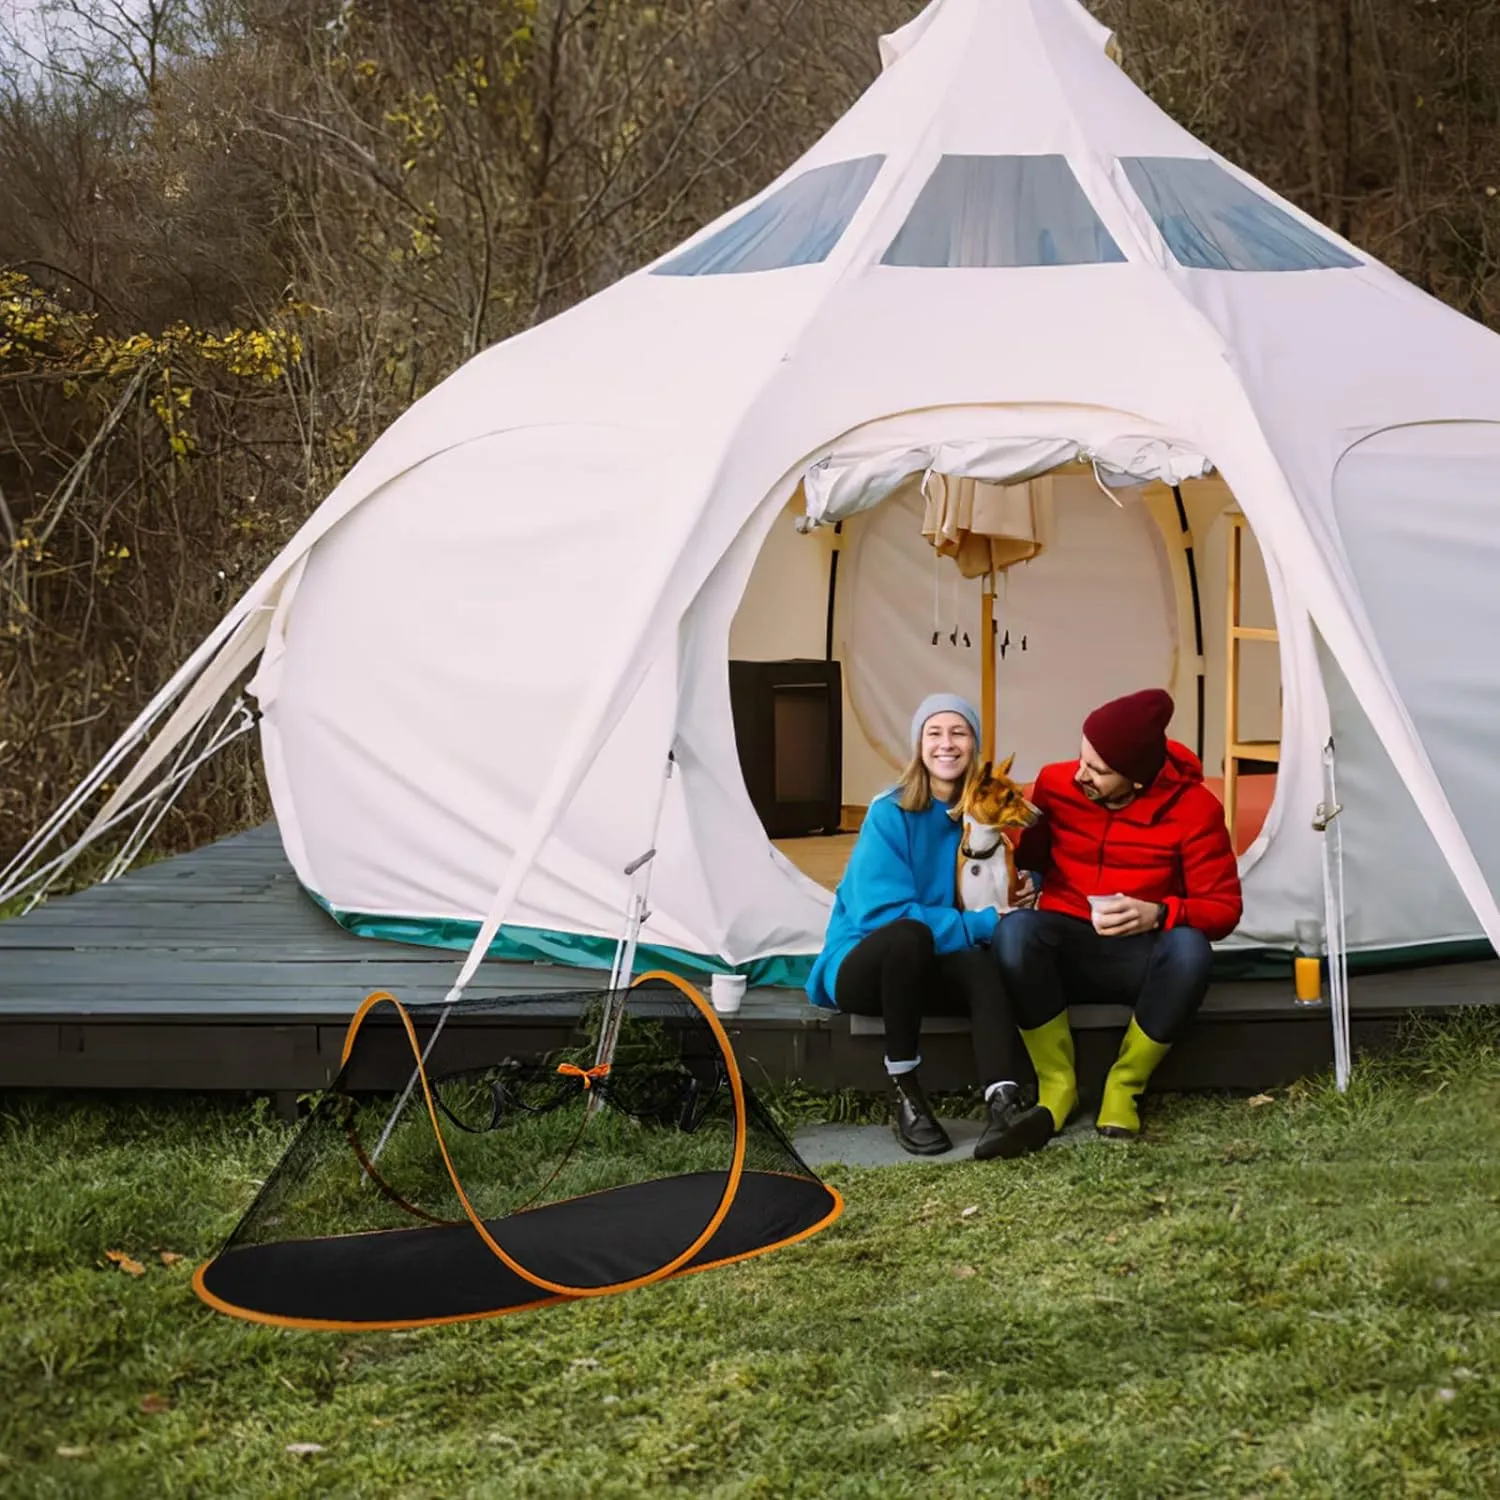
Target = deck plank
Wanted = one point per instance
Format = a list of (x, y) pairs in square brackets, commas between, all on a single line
[(215, 969)]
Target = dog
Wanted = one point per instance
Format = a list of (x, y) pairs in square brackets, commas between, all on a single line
[(991, 804)]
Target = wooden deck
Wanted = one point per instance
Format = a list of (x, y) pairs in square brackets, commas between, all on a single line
[(215, 970), (821, 858)]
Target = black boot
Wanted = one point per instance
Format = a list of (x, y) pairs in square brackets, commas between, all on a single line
[(1012, 1129), (916, 1126)]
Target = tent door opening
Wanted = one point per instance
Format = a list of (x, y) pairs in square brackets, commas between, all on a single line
[(1125, 591)]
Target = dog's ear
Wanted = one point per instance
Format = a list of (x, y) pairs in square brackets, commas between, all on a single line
[(986, 770), (1010, 760)]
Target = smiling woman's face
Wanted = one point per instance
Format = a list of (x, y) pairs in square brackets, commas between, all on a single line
[(947, 748)]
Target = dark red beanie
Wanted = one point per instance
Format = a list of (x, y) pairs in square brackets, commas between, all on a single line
[(1130, 733)]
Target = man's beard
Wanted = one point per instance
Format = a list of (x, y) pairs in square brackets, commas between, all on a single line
[(1095, 795)]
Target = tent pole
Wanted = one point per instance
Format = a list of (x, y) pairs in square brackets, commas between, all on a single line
[(1335, 943), (987, 666), (411, 1084), (1232, 679), (833, 587), (1192, 572)]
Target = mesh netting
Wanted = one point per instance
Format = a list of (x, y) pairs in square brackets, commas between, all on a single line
[(553, 1147)]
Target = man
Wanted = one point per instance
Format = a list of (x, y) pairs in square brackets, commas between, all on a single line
[(1138, 878)]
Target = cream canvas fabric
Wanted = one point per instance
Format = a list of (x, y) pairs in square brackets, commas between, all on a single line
[(1004, 257)]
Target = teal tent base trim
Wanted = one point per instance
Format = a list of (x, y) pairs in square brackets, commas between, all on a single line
[(790, 970), (544, 946)]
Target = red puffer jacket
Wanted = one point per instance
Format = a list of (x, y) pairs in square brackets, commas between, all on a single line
[(1169, 845)]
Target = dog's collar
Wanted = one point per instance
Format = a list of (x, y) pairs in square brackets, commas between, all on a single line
[(969, 853)]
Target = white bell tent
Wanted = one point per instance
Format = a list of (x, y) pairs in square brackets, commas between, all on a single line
[(1004, 264)]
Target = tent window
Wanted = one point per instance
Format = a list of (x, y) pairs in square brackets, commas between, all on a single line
[(1002, 211), (1214, 222), (798, 225)]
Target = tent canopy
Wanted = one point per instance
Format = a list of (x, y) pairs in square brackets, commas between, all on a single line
[(1004, 257)]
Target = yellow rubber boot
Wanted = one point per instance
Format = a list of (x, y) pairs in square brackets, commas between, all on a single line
[(1137, 1061), (1050, 1048)]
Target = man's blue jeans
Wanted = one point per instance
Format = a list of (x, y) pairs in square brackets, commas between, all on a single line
[(1050, 960)]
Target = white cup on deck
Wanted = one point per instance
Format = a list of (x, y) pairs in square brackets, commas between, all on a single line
[(727, 991), (1097, 902)]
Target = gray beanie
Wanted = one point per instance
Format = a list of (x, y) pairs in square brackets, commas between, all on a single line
[(942, 703)]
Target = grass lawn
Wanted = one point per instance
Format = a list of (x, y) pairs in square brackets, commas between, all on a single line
[(1300, 1297)]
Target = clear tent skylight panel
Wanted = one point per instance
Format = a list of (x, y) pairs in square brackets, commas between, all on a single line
[(1002, 211), (797, 225), (1211, 221)]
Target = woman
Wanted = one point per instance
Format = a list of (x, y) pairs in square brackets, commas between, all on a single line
[(898, 947)]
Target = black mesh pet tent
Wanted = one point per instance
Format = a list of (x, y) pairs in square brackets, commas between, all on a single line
[(554, 1147)]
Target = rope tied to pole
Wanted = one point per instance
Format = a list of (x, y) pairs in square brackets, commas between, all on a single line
[(586, 1075)]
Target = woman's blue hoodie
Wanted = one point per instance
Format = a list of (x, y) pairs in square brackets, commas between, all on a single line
[(903, 866)]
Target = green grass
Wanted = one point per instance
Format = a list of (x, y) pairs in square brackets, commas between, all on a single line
[(1300, 1298)]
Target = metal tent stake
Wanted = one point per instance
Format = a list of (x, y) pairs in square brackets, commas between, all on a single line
[(637, 910), (1326, 822), (619, 978), (411, 1083)]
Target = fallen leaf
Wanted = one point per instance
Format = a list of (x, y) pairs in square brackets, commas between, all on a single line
[(153, 1404), (1260, 1099), (72, 1452), (301, 1448), (1112, 1238), (170, 1257), (963, 1272), (970, 1211), (124, 1262)]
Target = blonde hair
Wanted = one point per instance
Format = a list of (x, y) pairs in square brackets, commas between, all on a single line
[(914, 789)]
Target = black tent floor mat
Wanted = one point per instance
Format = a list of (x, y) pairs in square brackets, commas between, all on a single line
[(437, 1273)]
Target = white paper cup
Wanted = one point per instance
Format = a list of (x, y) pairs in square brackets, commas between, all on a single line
[(726, 992), (1096, 902)]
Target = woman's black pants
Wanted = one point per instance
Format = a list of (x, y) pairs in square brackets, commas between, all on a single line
[(895, 974)]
